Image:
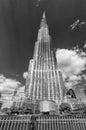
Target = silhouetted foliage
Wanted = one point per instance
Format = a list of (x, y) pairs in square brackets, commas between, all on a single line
[(65, 107), (6, 110), (14, 110), (0, 95), (1, 104), (84, 90), (24, 109), (80, 108)]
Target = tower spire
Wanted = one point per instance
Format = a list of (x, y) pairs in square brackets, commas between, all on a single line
[(43, 21), (44, 17), (43, 33)]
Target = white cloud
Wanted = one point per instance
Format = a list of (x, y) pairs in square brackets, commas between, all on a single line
[(73, 26), (74, 78), (84, 45), (25, 74), (8, 84), (72, 63), (76, 24), (84, 77), (7, 88), (20, 92)]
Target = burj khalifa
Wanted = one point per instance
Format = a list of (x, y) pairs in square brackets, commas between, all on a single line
[(44, 80)]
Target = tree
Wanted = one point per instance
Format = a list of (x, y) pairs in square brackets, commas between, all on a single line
[(65, 107), (84, 90), (1, 104)]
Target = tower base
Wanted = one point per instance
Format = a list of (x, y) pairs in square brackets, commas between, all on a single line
[(47, 106)]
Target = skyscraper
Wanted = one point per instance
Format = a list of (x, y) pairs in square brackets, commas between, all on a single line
[(44, 80)]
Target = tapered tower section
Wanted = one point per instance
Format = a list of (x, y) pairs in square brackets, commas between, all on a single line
[(44, 81)]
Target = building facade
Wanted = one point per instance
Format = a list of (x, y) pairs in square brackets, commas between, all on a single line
[(44, 80)]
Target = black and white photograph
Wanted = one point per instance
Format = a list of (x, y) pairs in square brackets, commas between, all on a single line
[(42, 64)]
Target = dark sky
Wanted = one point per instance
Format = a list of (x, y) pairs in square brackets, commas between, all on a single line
[(19, 24)]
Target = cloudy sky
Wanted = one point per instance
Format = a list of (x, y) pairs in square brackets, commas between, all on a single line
[(19, 24)]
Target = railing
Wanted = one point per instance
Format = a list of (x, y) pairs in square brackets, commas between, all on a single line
[(73, 122), (43, 122), (15, 123)]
